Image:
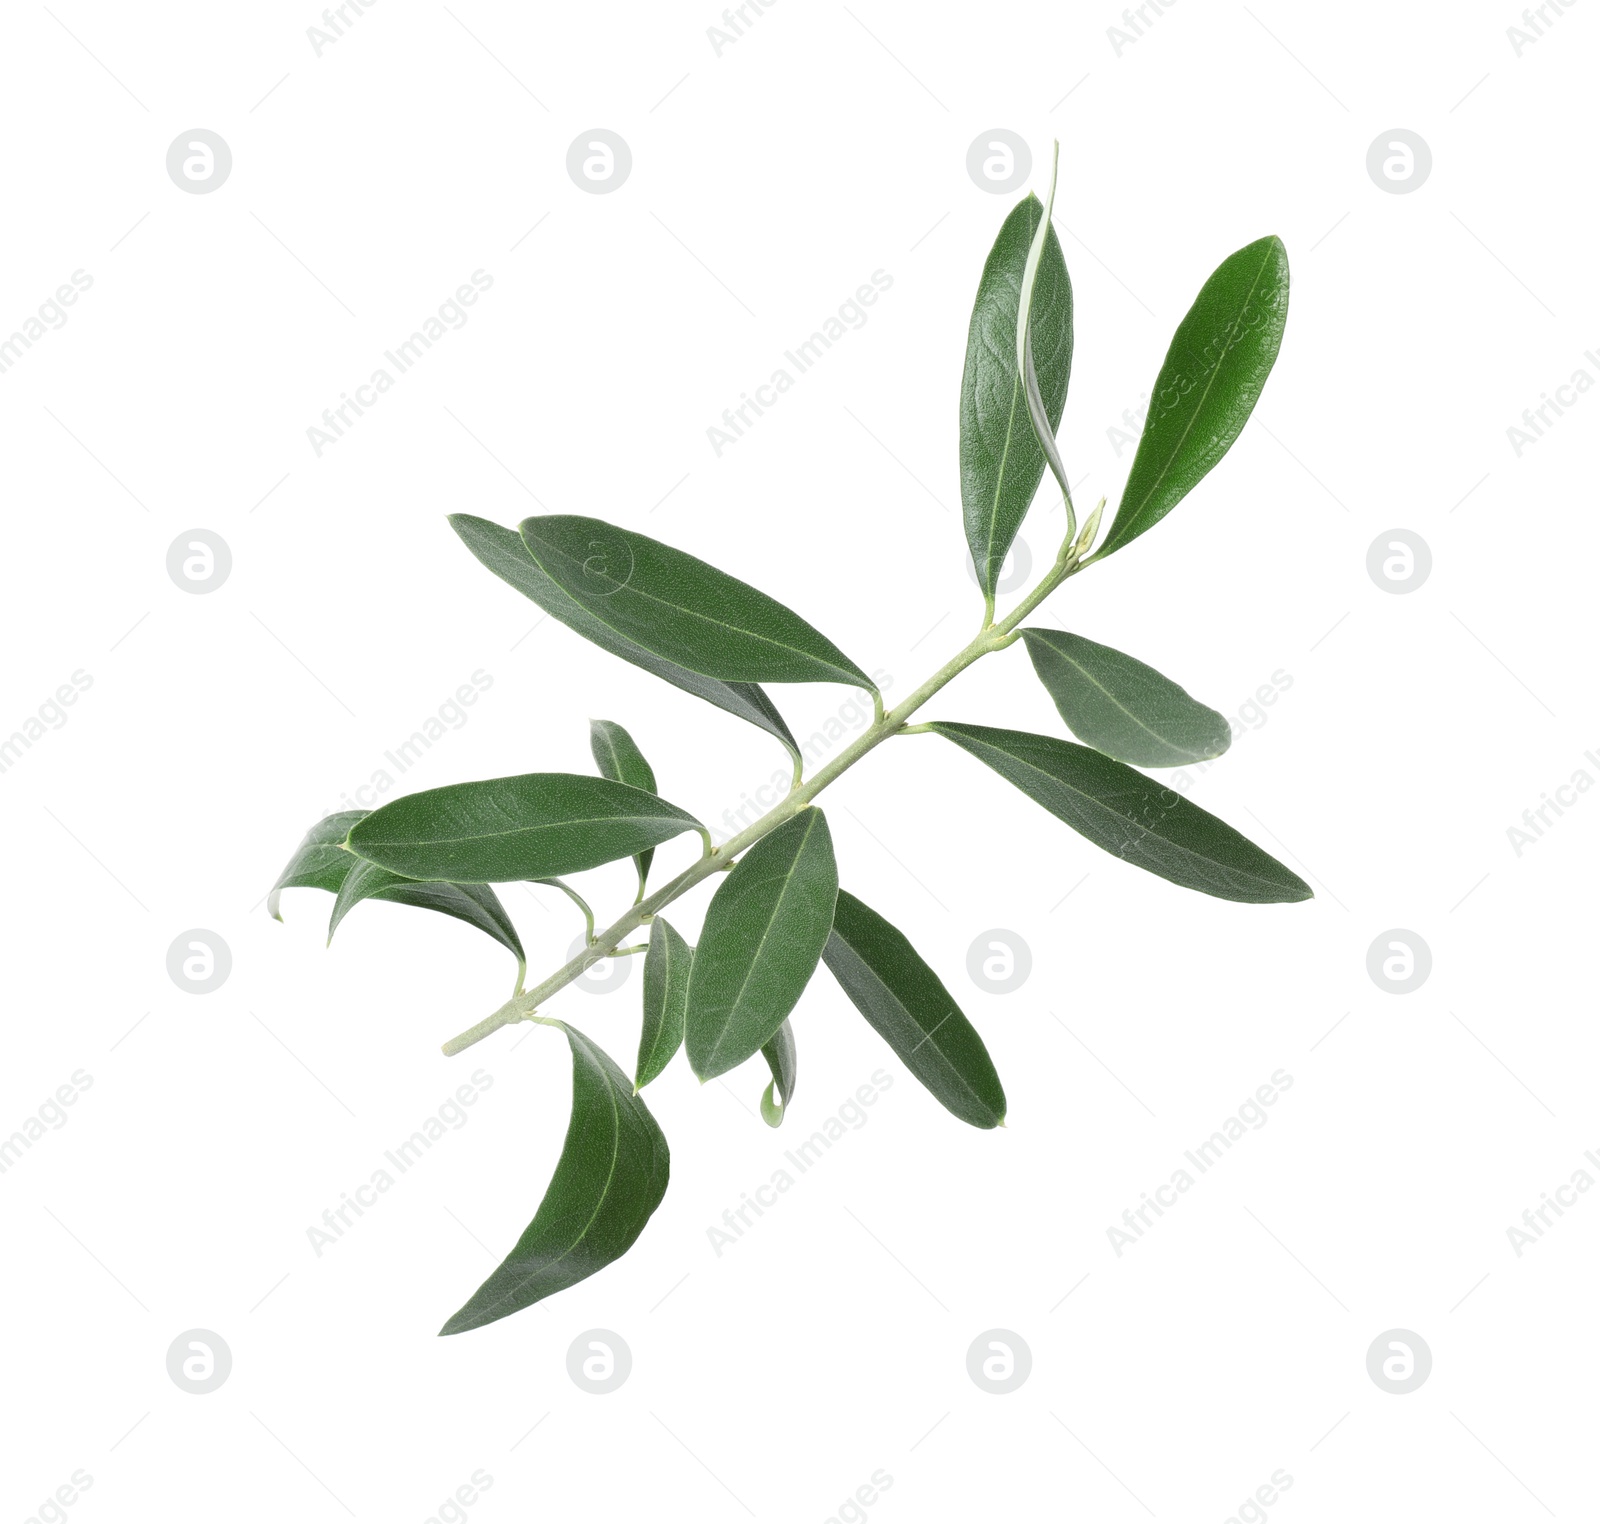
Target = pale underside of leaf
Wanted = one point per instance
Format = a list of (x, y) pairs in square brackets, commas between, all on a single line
[(1204, 737), (780, 1054), (1038, 414), (320, 861)]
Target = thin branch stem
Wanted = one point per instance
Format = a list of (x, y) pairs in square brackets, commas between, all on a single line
[(993, 637)]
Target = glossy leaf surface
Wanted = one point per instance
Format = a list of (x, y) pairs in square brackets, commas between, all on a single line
[(1208, 385)]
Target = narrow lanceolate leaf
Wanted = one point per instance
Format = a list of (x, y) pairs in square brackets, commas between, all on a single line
[(538, 825), (476, 904), (1131, 816), (1208, 384), (764, 931), (1038, 414), (684, 610), (1001, 461), (503, 552), (1122, 707), (320, 861), (618, 757), (781, 1058), (611, 1176), (666, 991), (908, 1006)]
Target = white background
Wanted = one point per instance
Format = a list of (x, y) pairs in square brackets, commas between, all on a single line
[(768, 182)]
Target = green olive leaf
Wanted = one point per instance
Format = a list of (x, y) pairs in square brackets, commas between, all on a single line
[(1038, 414), (1208, 385), (906, 1003), (536, 826), (618, 757), (320, 861), (503, 552), (611, 1176), (1131, 816), (779, 1052), (667, 961), (1122, 707), (763, 933), (476, 904), (1002, 463), (684, 610)]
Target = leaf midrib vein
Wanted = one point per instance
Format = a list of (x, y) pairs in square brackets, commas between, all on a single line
[(1116, 703), (1194, 415), (772, 920), (930, 1035), (720, 624), (526, 830), (1188, 853)]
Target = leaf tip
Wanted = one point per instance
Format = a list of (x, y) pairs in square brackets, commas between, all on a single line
[(772, 1109)]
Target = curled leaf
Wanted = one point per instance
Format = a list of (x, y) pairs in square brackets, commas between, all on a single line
[(779, 1052), (611, 1176)]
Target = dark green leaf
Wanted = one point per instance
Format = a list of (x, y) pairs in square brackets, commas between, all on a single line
[(1131, 816), (666, 990), (763, 933), (1122, 707), (781, 1058), (611, 1176), (476, 904), (618, 757), (1001, 461), (503, 552), (684, 610), (908, 1006), (320, 861), (1207, 386), (538, 825)]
